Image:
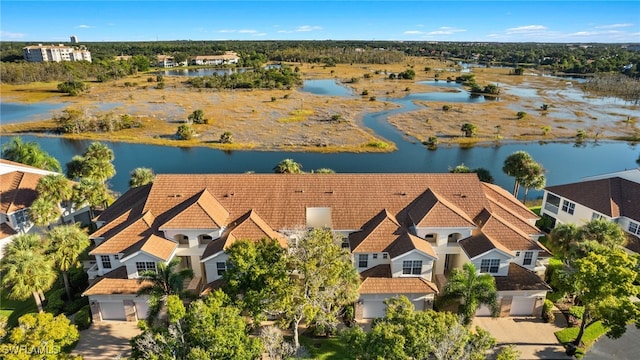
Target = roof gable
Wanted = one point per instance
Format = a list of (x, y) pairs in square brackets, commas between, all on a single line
[(202, 211), (125, 235), (377, 234), (17, 190), (432, 210)]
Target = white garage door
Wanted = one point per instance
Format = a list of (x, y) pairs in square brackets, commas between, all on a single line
[(141, 309), (521, 306), (112, 310), (373, 309)]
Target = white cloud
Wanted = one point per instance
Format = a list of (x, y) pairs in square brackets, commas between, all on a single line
[(83, 26), (445, 30), (11, 35), (613, 26), (259, 34), (527, 29), (247, 31), (413, 32), (226, 31), (306, 28)]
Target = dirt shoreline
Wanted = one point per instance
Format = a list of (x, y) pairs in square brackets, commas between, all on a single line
[(291, 120)]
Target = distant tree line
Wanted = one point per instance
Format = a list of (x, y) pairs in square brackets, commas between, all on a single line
[(259, 78), (557, 58)]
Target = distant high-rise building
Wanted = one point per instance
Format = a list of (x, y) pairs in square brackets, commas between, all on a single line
[(55, 53), (74, 39)]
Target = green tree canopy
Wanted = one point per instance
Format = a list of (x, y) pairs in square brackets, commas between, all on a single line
[(66, 243), (26, 270), (525, 170), (141, 176), (326, 281), (257, 279), (95, 164), (468, 129), (40, 331), (30, 154), (288, 166), (472, 290), (164, 281)]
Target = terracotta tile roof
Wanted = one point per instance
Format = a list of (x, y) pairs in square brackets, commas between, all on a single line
[(499, 230), (6, 231), (513, 218), (377, 280), (250, 226), (131, 201), (431, 210), (113, 283), (407, 242), (156, 246), (479, 244), (613, 197), (202, 211), (376, 235), (499, 195), (282, 200), (125, 235), (17, 191), (520, 278)]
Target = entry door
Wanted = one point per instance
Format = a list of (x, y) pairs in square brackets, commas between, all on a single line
[(447, 262)]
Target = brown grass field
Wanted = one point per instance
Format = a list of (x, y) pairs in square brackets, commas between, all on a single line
[(298, 121)]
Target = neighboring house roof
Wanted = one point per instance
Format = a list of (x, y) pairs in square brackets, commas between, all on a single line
[(17, 190), (125, 235), (6, 231), (115, 282), (498, 195), (613, 197), (131, 201), (202, 211), (479, 244), (520, 278), (212, 286), (378, 280), (152, 245), (499, 230), (407, 242), (250, 226)]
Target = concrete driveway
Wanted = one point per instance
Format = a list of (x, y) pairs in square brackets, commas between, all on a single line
[(107, 340), (532, 337)]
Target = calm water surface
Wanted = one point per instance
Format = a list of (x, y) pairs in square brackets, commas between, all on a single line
[(564, 161)]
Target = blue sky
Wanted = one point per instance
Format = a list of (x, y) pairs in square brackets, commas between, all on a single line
[(506, 21)]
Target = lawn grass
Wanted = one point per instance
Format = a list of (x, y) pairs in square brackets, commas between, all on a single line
[(591, 334), (536, 209), (13, 309), (331, 348)]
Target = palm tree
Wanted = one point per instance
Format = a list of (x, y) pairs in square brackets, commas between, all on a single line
[(43, 212), (562, 239), (54, 187), (288, 166), (141, 176), (521, 166), (468, 129), (163, 282), (92, 192), (95, 164), (66, 243), (29, 153), (472, 290), (534, 179), (26, 270)]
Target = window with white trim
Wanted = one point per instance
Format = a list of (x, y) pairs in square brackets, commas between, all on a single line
[(412, 267), (596, 216), (106, 261), (528, 258), (142, 266), (634, 228), (568, 207), (489, 265), (385, 255), (375, 256), (221, 267), (363, 260)]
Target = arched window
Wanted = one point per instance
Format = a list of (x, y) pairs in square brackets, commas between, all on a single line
[(453, 238), (205, 239), (181, 239)]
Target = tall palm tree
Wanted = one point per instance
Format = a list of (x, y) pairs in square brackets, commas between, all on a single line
[(472, 290), (29, 153), (141, 176), (95, 164), (288, 166), (163, 282), (534, 179), (66, 243), (92, 192), (26, 270), (515, 165), (562, 239)]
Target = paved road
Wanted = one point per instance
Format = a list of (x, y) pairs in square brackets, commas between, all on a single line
[(625, 348)]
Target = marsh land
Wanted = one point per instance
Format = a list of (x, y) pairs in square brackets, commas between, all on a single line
[(296, 120)]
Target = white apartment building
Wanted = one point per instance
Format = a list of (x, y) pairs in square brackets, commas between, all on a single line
[(55, 53)]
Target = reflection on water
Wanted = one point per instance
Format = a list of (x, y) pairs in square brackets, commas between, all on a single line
[(17, 112)]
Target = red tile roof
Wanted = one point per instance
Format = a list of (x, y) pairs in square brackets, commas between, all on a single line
[(520, 278), (431, 210), (202, 211), (378, 280), (113, 283), (6, 231), (17, 191)]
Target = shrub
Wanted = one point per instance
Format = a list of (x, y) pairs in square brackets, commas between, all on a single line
[(160, 85), (431, 142), (273, 98), (185, 132), (521, 115), (373, 98), (365, 92), (83, 318), (378, 144), (446, 107), (75, 305), (159, 78), (226, 138), (55, 303), (575, 315), (547, 311), (197, 116), (150, 79), (73, 88)]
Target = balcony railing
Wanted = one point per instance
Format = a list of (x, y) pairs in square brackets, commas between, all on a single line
[(551, 208), (92, 272)]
